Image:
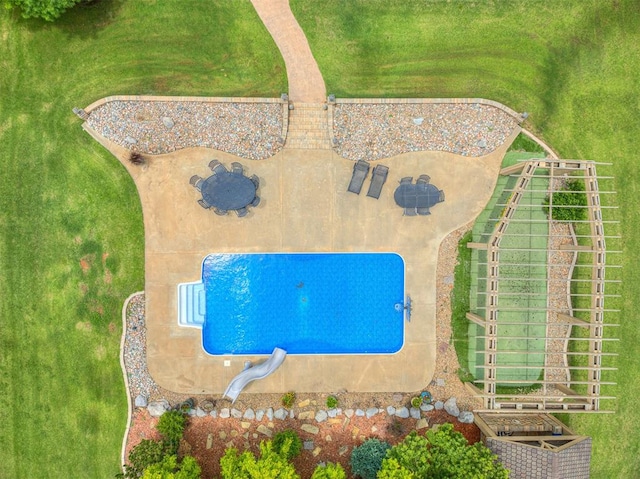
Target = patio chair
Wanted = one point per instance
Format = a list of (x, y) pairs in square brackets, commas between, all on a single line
[(213, 164), (220, 212), (423, 211), (255, 180), (378, 178), (196, 182), (219, 168), (204, 204), (406, 179), (440, 196), (255, 202), (410, 212), (237, 168), (242, 212), (424, 179), (360, 171)]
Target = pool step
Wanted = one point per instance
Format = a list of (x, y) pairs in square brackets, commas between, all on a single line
[(308, 127), (191, 304)]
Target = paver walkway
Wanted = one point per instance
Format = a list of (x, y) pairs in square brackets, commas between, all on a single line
[(305, 80)]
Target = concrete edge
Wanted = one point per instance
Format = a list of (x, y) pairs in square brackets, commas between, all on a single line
[(125, 377), (517, 116), (202, 99)]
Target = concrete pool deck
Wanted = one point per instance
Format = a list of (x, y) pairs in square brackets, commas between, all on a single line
[(305, 207)]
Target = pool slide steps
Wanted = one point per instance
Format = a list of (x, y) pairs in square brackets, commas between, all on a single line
[(191, 304), (252, 373)]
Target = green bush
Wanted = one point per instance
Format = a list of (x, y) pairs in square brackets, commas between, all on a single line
[(170, 468), (329, 471), (48, 10), (287, 443), (288, 399), (171, 425), (144, 454), (569, 204), (270, 464), (332, 402), (366, 460)]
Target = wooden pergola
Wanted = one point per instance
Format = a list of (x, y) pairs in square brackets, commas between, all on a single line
[(572, 374)]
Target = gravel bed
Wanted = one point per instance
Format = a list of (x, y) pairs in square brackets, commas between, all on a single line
[(375, 131), (249, 130)]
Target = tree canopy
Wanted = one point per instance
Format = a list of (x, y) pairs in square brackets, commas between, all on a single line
[(48, 10), (270, 464), (569, 204)]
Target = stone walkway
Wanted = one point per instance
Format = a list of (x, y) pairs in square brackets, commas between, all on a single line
[(305, 80)]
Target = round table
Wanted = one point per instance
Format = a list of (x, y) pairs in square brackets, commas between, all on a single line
[(228, 191), (416, 195)]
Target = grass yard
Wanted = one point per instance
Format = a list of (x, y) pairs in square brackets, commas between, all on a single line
[(571, 64), (71, 246)]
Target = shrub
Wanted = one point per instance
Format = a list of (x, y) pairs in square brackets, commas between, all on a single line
[(137, 158), (366, 460), (171, 425), (288, 399), (146, 453), (416, 401), (329, 471), (332, 402), (287, 443), (569, 203)]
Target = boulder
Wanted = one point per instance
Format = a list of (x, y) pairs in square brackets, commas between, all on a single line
[(249, 414), (259, 414), (224, 413), (418, 121), (402, 412), (414, 412), (168, 122), (140, 401), (359, 413), (372, 411), (200, 412), (349, 412), (391, 410), (236, 414), (426, 407), (281, 414), (466, 417), (321, 416), (439, 405), (451, 407), (269, 414), (158, 408)]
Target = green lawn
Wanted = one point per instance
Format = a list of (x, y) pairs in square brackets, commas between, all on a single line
[(571, 64), (66, 203)]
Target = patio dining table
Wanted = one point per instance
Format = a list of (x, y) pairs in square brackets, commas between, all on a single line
[(416, 195), (228, 191)]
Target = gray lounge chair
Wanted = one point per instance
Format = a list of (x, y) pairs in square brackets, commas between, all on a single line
[(360, 171), (378, 178), (424, 179), (423, 211), (242, 212), (255, 202), (213, 164), (237, 168), (196, 182), (441, 196), (255, 180), (410, 212), (204, 204), (406, 179), (219, 212)]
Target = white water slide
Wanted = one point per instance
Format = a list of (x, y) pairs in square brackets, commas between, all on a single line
[(260, 371)]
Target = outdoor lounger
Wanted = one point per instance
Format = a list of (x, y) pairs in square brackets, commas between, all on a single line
[(360, 171), (380, 173)]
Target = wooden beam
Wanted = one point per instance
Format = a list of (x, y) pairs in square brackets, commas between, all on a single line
[(474, 318), (576, 247), (573, 320), (509, 170), (475, 390), (471, 245)]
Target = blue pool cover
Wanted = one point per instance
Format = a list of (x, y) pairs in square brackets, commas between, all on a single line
[(305, 303)]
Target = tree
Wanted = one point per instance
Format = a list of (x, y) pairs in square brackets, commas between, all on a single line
[(569, 204), (144, 454), (169, 468), (366, 460), (290, 437), (48, 10), (444, 453), (270, 464), (329, 471)]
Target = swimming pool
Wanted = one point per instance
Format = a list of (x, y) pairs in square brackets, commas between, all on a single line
[(305, 303)]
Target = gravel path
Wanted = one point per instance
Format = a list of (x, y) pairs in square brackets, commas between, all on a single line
[(248, 130), (375, 131)]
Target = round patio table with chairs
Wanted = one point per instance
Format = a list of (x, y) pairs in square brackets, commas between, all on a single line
[(228, 191)]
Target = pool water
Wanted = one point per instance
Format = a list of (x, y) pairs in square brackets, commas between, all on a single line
[(305, 303)]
